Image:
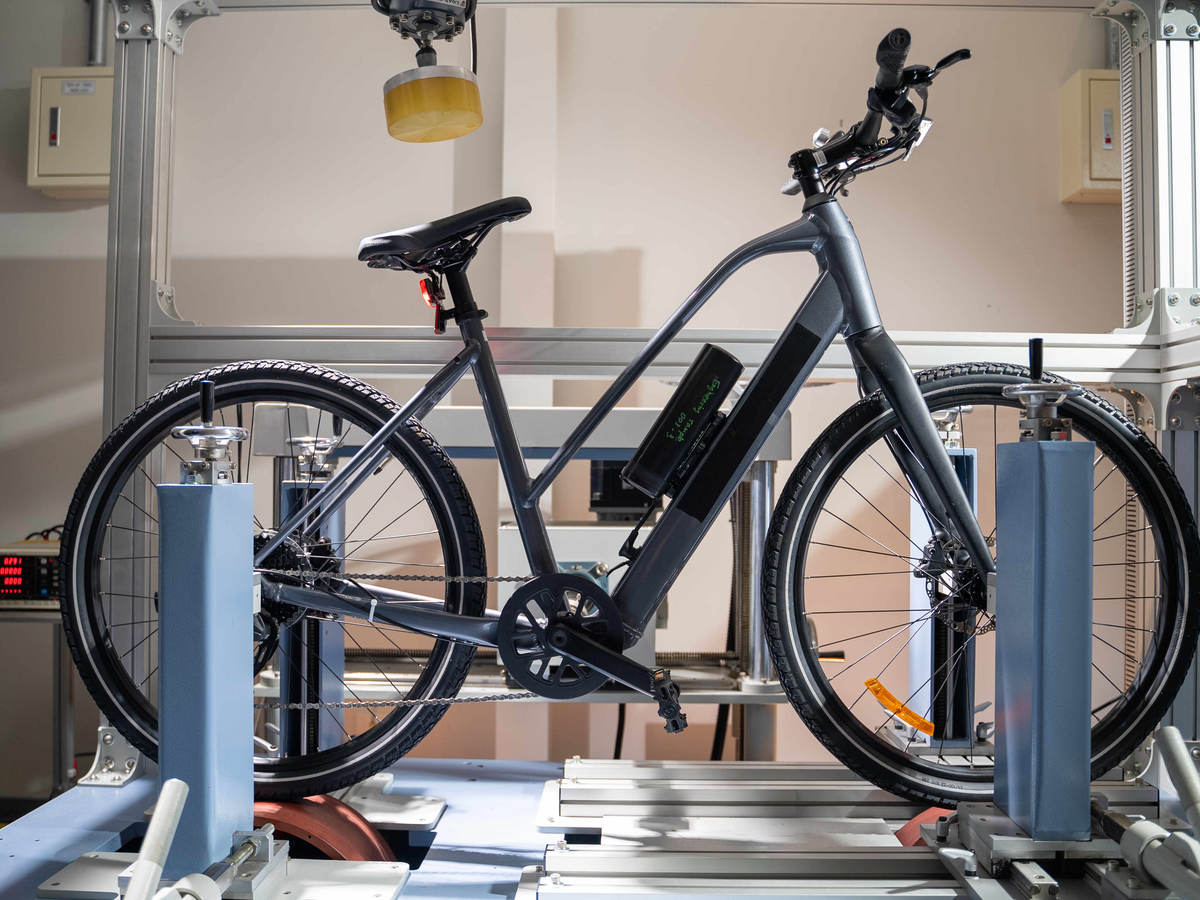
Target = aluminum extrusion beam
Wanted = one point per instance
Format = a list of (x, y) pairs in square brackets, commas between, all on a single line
[(413, 352), (351, 4)]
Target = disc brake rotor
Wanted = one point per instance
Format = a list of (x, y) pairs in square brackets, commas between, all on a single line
[(572, 600)]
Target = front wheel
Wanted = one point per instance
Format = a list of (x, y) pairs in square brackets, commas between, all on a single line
[(336, 698), (876, 630)]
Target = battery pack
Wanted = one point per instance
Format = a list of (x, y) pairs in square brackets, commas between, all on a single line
[(684, 421)]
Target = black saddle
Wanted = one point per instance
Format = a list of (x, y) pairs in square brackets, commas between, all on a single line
[(441, 244)]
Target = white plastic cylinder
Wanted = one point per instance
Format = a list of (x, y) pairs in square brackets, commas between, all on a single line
[(147, 869)]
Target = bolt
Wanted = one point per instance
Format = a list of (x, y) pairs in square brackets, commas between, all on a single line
[(107, 739), (123, 27), (1168, 29), (1149, 301), (1173, 298), (1174, 421), (129, 764), (147, 29), (124, 7), (148, 6), (1169, 6), (1196, 750), (1193, 30)]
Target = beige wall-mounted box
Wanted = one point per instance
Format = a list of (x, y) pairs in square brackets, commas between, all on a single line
[(1091, 137), (70, 131)]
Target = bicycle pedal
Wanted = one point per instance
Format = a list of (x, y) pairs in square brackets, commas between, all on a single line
[(666, 692)]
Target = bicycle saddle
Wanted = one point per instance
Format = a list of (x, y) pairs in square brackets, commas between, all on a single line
[(442, 242)]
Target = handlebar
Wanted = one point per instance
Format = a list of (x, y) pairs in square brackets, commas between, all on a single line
[(891, 55), (859, 147)]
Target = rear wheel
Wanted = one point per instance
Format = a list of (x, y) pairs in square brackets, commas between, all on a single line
[(877, 637), (411, 517)]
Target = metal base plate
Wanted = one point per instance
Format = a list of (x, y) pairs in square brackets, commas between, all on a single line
[(374, 801), (94, 877)]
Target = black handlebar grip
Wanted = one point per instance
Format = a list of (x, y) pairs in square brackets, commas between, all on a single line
[(208, 396), (890, 56), (1035, 359)]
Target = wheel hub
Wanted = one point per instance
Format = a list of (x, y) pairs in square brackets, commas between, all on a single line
[(530, 631)]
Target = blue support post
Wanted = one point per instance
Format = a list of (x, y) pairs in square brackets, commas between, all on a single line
[(205, 688), (312, 657), (1044, 636)]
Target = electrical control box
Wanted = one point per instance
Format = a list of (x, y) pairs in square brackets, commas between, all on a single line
[(29, 576), (70, 131), (1091, 137)]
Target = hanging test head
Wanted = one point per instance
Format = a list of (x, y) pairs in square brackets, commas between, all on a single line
[(1041, 399), (430, 102)]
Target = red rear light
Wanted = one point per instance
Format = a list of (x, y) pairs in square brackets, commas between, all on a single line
[(427, 294)]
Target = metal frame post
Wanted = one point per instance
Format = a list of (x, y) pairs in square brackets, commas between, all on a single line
[(149, 37), (757, 720), (1160, 150)]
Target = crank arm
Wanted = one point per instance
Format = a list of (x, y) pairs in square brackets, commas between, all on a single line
[(410, 611), (655, 683), (612, 663)]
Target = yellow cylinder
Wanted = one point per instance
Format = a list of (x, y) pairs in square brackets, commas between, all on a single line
[(432, 103)]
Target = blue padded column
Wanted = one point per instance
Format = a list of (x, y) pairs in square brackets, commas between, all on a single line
[(205, 675), (1044, 636)]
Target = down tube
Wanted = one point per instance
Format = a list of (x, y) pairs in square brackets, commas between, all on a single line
[(685, 522)]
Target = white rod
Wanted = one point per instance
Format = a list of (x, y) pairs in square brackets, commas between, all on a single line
[(147, 869)]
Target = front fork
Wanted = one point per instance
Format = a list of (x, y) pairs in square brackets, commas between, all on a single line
[(916, 444)]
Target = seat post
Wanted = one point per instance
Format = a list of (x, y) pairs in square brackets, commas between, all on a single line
[(460, 293)]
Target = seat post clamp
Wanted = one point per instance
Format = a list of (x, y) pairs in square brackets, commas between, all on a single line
[(432, 293)]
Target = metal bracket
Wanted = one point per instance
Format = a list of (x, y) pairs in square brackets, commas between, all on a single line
[(1156, 20), (161, 20), (164, 311), (117, 761), (1183, 408), (1163, 310)]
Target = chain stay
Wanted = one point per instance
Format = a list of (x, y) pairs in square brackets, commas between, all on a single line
[(445, 579), (428, 701), (363, 704)]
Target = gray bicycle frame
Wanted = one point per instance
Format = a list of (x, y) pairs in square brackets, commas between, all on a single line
[(841, 300)]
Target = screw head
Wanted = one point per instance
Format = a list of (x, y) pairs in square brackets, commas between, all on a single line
[(1168, 29), (1173, 298), (1193, 30), (1169, 6), (1175, 421), (147, 29), (108, 738), (124, 7), (123, 28), (1196, 753)]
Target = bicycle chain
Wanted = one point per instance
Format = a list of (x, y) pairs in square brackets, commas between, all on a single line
[(428, 701)]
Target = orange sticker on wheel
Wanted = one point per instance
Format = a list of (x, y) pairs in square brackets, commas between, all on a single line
[(898, 709)]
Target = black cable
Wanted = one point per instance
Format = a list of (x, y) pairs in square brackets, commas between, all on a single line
[(474, 48), (620, 738), (722, 726)]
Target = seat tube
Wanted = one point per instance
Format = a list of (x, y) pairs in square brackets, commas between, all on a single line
[(528, 514)]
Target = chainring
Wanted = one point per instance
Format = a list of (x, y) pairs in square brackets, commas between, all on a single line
[(573, 600)]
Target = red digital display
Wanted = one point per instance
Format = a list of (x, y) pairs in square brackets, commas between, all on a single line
[(15, 574)]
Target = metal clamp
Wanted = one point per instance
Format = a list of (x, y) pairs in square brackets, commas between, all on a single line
[(117, 761), (210, 444), (161, 20)]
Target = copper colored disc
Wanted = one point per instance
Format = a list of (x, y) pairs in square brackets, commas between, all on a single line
[(328, 824)]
